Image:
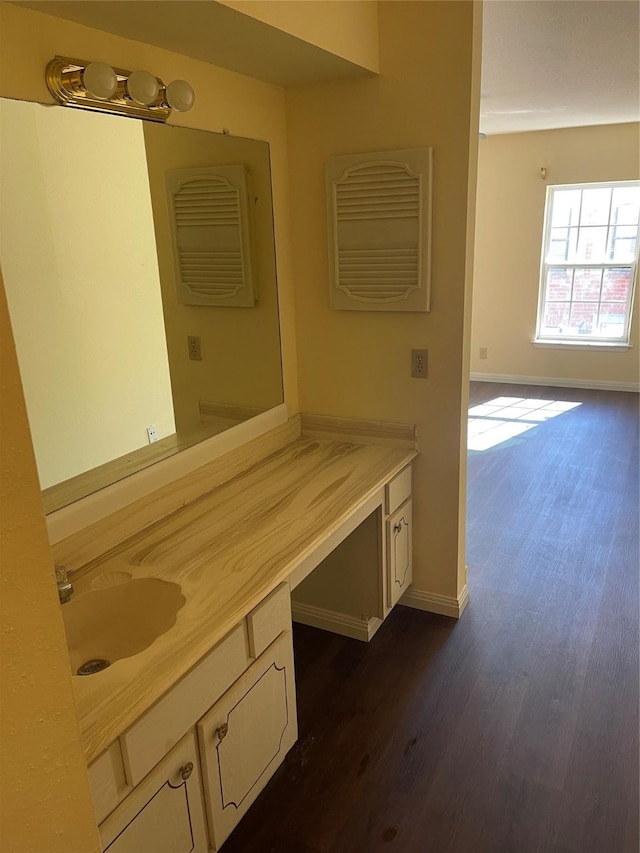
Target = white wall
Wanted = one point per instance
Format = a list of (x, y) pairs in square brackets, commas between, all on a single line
[(509, 223), (82, 285)]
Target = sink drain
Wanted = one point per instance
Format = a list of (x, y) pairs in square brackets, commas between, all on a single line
[(94, 665)]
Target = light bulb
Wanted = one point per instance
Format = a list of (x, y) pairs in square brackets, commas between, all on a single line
[(180, 95), (142, 88), (99, 80)]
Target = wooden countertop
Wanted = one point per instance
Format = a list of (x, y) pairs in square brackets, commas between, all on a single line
[(227, 549)]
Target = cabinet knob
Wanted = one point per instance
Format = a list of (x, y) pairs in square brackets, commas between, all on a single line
[(186, 771), (398, 527), (222, 730)]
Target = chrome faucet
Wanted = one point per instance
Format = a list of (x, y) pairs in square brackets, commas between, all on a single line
[(65, 587)]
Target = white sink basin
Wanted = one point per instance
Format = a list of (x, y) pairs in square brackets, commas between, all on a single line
[(106, 625)]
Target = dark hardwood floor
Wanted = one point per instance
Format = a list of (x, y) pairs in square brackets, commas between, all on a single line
[(515, 729)]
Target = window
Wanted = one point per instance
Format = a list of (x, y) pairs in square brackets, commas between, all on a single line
[(589, 261)]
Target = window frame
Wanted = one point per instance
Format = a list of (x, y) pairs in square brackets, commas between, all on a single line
[(546, 265)]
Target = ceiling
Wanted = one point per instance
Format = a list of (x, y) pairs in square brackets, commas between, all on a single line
[(546, 63), (559, 63)]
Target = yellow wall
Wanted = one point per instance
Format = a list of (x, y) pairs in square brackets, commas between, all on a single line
[(46, 805), (510, 213), (85, 307), (476, 80), (347, 29), (357, 364)]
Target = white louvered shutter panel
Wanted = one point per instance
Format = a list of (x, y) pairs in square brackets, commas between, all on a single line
[(379, 215), (210, 224)]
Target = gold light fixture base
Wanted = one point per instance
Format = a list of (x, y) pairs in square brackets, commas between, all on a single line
[(64, 80)]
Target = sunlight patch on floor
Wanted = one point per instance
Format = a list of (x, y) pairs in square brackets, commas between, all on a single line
[(499, 420)]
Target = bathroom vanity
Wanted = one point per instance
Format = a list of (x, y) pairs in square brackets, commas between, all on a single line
[(182, 736)]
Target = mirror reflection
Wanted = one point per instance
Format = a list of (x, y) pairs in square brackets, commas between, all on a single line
[(106, 223)]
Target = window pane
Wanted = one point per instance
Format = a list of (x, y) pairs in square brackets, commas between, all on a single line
[(616, 285), (587, 285), (622, 243), (566, 204), (612, 316), (626, 206), (562, 244), (595, 206), (556, 318), (592, 243), (584, 316), (558, 285)]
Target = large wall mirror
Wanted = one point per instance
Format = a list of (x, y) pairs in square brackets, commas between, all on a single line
[(94, 248)]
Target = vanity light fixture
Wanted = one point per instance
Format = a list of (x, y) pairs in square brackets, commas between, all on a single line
[(142, 88), (98, 80), (179, 95), (97, 86)]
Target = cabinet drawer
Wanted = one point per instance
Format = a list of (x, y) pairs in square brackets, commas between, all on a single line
[(245, 737), (164, 814), (269, 619), (148, 739), (398, 490), (107, 781), (399, 562)]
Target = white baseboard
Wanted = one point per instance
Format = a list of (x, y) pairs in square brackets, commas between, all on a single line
[(554, 382), (445, 605), (337, 623)]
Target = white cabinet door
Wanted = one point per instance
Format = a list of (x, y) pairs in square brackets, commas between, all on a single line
[(164, 813), (246, 735), (399, 552)]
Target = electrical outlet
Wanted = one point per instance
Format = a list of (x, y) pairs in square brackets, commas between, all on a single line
[(419, 358), (152, 433), (483, 352), (195, 353)]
